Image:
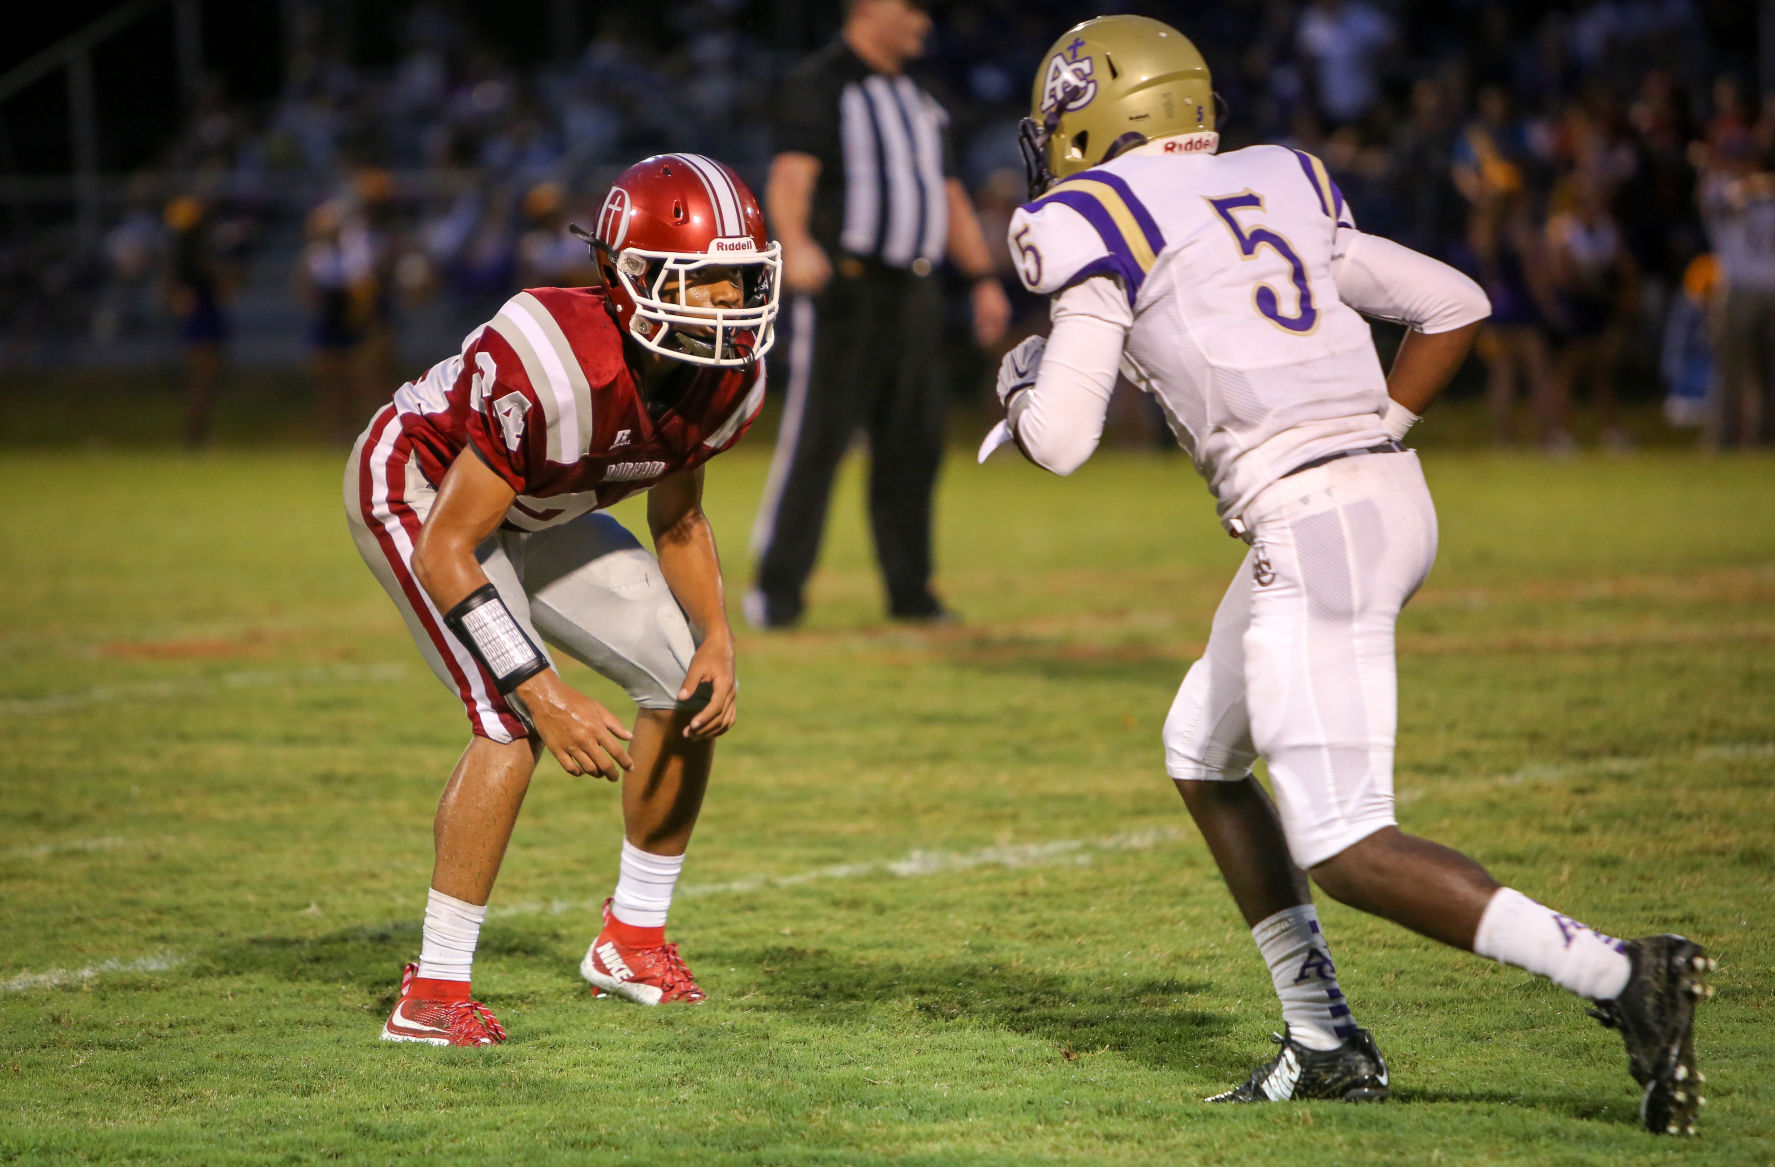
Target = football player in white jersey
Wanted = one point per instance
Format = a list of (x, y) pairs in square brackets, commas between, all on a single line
[(1232, 288)]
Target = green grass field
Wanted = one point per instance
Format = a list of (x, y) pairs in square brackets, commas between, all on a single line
[(945, 902)]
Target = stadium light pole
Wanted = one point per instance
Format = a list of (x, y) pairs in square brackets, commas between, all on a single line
[(188, 35), (1766, 47), (83, 127)]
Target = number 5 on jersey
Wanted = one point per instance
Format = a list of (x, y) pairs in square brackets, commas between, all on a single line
[(1264, 298)]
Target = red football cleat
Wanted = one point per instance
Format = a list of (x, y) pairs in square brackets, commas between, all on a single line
[(647, 974), (433, 1022)]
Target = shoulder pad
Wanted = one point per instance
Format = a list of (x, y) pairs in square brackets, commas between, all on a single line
[(559, 356), (1091, 224)]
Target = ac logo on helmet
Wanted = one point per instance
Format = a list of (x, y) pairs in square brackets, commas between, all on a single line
[(613, 219), (1069, 74)]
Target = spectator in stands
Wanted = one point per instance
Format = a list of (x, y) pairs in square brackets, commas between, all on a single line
[(378, 218), (1509, 259), (338, 279), (548, 257), (1737, 196), (1595, 281), (1344, 42), (199, 286), (132, 252), (1492, 140), (1685, 358)]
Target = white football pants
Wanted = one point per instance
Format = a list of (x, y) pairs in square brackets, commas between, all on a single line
[(1299, 666)]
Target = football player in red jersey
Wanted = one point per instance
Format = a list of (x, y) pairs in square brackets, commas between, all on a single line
[(477, 498)]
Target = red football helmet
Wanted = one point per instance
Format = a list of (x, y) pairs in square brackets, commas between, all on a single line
[(665, 217)]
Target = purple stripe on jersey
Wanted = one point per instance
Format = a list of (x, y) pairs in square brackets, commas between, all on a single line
[(1119, 261), (1306, 167), (1113, 265), (1148, 226), (1337, 200)]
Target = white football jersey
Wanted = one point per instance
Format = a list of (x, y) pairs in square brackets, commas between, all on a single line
[(1234, 323)]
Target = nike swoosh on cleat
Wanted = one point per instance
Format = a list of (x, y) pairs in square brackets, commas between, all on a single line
[(406, 1022), (1279, 1085)]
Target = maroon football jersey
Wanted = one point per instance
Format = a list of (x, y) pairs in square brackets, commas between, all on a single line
[(544, 396)]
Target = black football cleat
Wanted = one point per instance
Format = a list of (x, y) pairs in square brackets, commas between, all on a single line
[(1655, 1014), (1353, 1072)]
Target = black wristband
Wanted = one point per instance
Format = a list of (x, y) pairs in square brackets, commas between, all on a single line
[(487, 628)]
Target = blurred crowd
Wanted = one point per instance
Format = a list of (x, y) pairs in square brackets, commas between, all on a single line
[(1601, 166)]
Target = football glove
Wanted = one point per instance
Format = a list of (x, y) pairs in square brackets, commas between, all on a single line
[(1018, 369)]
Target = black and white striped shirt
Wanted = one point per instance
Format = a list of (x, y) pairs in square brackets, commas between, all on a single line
[(883, 146)]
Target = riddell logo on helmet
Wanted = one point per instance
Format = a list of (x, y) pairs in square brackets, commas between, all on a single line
[(1192, 144), (731, 245)]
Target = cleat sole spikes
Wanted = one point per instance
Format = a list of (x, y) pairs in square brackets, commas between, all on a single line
[(1655, 1016)]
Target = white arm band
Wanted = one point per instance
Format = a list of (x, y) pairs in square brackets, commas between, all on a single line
[(1059, 420), (1380, 278), (486, 627), (1397, 420)]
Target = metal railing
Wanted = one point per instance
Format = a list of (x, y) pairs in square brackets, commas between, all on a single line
[(73, 54)]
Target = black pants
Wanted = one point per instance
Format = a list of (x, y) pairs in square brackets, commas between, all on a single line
[(872, 364)]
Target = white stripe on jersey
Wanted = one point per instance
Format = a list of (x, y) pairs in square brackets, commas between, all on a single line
[(928, 144), (554, 373), (576, 376), (862, 185), (728, 219), (466, 665), (900, 247)]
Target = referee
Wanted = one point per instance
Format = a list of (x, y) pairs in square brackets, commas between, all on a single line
[(863, 197)]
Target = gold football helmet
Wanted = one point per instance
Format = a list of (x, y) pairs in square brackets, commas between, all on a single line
[(1109, 85)]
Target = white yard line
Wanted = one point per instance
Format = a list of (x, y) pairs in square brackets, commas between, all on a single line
[(1072, 852), (61, 976), (1558, 771), (45, 850), (200, 687), (1062, 852), (915, 864)]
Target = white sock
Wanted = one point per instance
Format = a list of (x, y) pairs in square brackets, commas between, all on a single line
[(644, 887), (1517, 930), (1305, 979), (452, 929)]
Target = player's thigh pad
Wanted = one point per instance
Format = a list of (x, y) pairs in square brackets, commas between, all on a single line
[(386, 503), (600, 597), (1208, 731), (1348, 543)]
